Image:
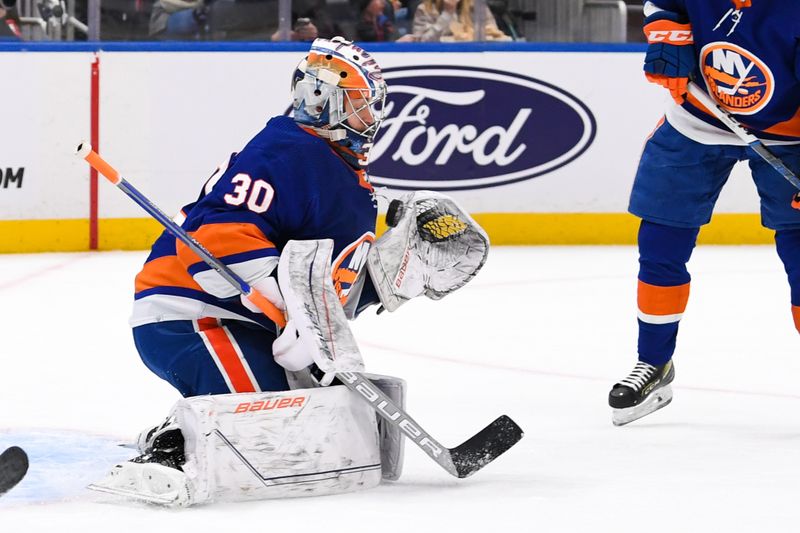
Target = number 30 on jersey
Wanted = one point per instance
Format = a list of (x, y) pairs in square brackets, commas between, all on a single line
[(257, 193)]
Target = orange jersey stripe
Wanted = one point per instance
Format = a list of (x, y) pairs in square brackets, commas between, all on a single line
[(204, 324), (787, 128), (226, 354), (224, 239), (655, 300), (166, 271)]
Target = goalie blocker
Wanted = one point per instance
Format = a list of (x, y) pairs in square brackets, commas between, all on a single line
[(236, 447)]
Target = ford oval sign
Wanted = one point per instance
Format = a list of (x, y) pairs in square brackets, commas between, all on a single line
[(452, 127)]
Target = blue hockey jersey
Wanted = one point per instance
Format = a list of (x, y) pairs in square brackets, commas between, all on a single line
[(748, 55), (286, 184)]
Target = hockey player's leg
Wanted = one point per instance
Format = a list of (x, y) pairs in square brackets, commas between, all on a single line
[(677, 183), (787, 243), (210, 356), (663, 292), (255, 446)]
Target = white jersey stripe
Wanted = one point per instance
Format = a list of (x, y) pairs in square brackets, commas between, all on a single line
[(659, 319)]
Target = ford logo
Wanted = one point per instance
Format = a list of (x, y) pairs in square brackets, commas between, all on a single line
[(451, 127)]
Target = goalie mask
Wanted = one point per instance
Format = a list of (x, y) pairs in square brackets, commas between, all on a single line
[(339, 92)]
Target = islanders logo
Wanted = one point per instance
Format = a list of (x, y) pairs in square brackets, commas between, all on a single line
[(738, 79), (349, 263)]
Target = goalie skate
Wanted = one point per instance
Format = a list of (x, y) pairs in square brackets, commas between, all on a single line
[(157, 475), (645, 390), (148, 482)]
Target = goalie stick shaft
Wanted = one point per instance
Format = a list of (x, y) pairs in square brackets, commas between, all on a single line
[(461, 461), (85, 151), (740, 131)]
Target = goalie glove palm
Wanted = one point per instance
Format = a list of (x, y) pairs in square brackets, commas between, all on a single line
[(434, 248)]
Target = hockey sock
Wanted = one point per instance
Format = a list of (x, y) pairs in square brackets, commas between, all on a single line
[(787, 242), (663, 289)]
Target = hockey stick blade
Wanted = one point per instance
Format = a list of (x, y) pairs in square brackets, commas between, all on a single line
[(485, 446), (463, 460), (13, 467)]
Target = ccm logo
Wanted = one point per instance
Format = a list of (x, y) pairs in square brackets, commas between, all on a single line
[(670, 36), (268, 405)]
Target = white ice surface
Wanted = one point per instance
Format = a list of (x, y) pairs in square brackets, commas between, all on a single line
[(540, 335)]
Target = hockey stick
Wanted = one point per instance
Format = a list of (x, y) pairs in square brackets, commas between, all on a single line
[(84, 151), (751, 140), (13, 467), (460, 461)]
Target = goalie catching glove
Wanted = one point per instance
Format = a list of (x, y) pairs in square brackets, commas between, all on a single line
[(433, 247)]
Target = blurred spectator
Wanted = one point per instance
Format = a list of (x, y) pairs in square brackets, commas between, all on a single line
[(175, 19), (452, 20), (508, 20), (311, 20), (257, 20), (376, 23), (316, 11), (304, 30), (9, 28), (403, 15)]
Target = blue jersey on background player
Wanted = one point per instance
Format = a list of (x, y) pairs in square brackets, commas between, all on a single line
[(746, 54)]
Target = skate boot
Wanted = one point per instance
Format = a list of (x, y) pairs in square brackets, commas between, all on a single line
[(645, 390), (144, 442), (165, 448), (157, 475)]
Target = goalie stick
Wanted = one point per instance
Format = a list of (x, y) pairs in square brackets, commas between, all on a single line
[(460, 461), (13, 467), (84, 151), (463, 460), (751, 140)]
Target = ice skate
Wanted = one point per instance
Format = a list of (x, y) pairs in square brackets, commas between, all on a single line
[(157, 475), (645, 390)]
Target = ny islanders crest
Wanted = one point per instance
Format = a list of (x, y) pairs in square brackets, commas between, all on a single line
[(740, 81)]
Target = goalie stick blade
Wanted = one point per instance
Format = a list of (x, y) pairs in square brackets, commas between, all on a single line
[(13, 467), (485, 446)]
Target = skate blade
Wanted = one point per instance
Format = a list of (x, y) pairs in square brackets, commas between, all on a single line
[(150, 483), (657, 400)]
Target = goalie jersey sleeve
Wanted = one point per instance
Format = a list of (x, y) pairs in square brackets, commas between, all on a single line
[(748, 60), (286, 184)]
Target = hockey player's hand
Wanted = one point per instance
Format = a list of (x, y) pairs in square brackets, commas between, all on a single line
[(268, 287), (290, 351), (670, 57)]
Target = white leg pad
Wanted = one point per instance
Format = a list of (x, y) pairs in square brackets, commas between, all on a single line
[(392, 439), (275, 445), (304, 442)]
